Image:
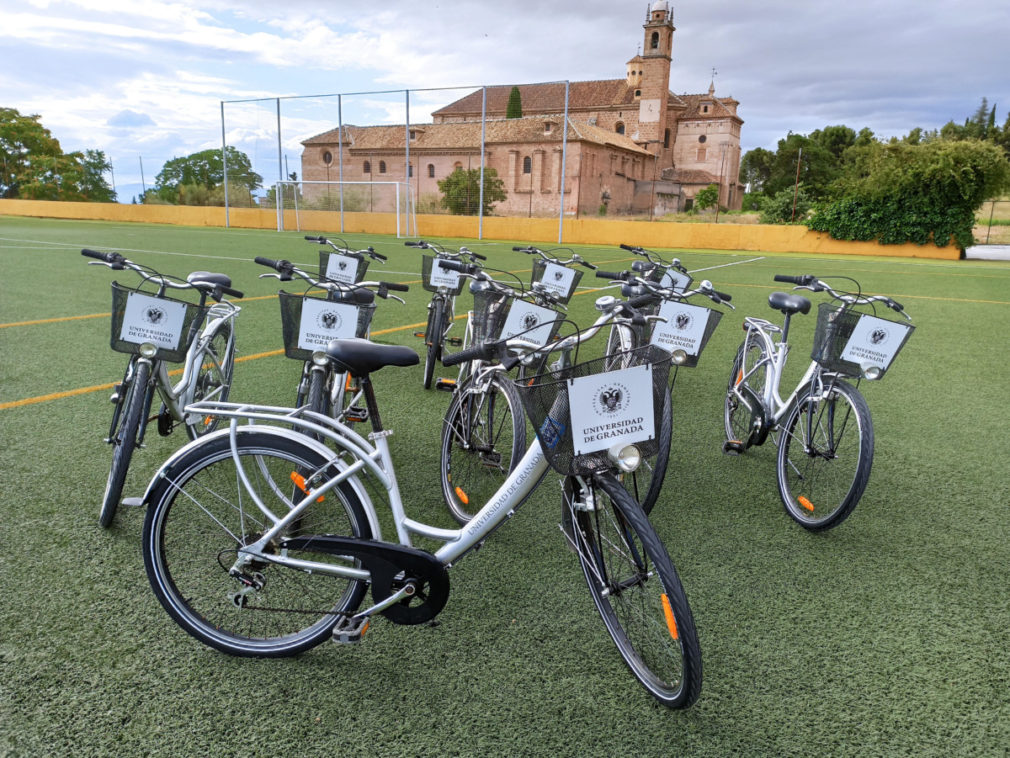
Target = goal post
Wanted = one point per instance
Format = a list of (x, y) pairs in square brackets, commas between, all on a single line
[(340, 198)]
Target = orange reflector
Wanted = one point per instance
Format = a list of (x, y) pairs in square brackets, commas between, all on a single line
[(462, 496), (348, 382), (805, 503), (671, 622), (365, 627), (739, 377), (208, 420), (299, 481)]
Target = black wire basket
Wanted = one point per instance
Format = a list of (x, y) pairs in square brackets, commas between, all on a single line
[(343, 264), (490, 309), (868, 346), (427, 263), (546, 400), (291, 321), (563, 295), (153, 316)]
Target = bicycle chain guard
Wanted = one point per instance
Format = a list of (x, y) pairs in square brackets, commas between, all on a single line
[(391, 566)]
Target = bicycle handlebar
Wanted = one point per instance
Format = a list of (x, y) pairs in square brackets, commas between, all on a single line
[(811, 282), (118, 262)]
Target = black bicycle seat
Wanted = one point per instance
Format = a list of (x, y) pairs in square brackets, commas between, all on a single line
[(359, 357), (206, 276), (783, 301)]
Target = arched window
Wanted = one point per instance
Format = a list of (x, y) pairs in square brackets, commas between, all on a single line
[(527, 165), (327, 157), (666, 138), (367, 168), (382, 167), (431, 170), (655, 41), (619, 128)]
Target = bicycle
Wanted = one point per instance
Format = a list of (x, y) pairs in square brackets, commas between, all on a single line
[(444, 285), (261, 541), (823, 430), (484, 428), (156, 330), (672, 324), (309, 323)]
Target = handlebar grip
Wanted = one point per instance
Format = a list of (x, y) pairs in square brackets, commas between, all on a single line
[(233, 292), (310, 238), (646, 299), (396, 286), (628, 247), (723, 296), (380, 256), (479, 257), (894, 305), (590, 266), (609, 274), (95, 254), (268, 262), (520, 249), (485, 351), (790, 279), (414, 244), (463, 268)]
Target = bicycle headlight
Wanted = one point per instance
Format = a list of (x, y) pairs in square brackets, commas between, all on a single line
[(148, 350), (679, 357), (626, 457), (872, 372), (320, 358)]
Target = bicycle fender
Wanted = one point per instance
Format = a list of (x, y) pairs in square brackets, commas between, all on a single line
[(161, 478)]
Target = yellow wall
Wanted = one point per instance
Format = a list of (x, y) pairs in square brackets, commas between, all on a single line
[(759, 238)]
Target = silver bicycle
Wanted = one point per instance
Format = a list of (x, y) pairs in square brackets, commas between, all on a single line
[(823, 430), (262, 541), (156, 330)]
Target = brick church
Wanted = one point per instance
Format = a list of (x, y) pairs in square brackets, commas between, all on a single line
[(632, 145)]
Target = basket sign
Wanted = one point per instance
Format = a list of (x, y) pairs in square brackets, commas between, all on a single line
[(530, 321), (558, 279), (611, 408), (323, 321), (676, 280), (152, 319), (341, 268), (684, 328), (874, 342), (443, 277)]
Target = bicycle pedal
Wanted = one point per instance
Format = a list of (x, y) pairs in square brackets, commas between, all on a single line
[(133, 502), (419, 334), (349, 630), (356, 414), (446, 385), (733, 447), (454, 341)]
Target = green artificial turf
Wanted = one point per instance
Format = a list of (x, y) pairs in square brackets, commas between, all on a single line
[(885, 636)]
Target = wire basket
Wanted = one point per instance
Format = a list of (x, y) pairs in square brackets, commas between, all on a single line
[(684, 331), (343, 272), (490, 309), (169, 324), (427, 263), (546, 398), (855, 343), (292, 307), (555, 281)]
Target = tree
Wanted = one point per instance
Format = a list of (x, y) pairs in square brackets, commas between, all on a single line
[(31, 160), (756, 168), (93, 185), (707, 198), (204, 169), (514, 109), (461, 191)]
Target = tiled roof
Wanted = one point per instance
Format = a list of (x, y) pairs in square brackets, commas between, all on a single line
[(546, 98), (718, 110), (690, 176)]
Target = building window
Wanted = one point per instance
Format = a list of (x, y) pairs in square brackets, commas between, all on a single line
[(704, 109), (638, 93), (410, 170), (382, 167), (527, 165), (431, 170), (666, 138), (367, 168), (655, 41), (327, 157), (413, 134), (619, 128), (701, 155)]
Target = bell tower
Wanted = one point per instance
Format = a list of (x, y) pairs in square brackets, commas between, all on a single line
[(657, 49)]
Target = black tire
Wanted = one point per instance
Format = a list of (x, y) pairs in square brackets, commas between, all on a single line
[(433, 340), (739, 413), (213, 379), (483, 438), (637, 592), (124, 439), (824, 465), (318, 398), (194, 525)]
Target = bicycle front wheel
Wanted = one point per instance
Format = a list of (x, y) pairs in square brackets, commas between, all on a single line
[(636, 590), (201, 517), (433, 338), (124, 439), (483, 438), (825, 455), (213, 379)]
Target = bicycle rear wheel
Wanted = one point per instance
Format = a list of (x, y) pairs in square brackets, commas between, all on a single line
[(743, 402), (124, 438), (213, 379), (825, 455), (636, 590), (483, 438), (202, 515)]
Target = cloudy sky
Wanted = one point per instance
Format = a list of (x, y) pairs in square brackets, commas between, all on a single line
[(144, 80)]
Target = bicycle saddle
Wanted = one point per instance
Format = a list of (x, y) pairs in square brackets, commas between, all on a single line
[(206, 276), (360, 357), (783, 301)]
